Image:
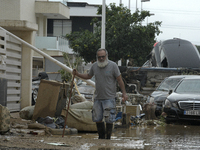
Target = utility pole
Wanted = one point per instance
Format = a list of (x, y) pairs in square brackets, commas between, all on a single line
[(103, 24), (136, 5), (143, 1)]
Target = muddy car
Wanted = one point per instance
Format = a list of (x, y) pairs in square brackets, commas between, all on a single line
[(86, 90), (174, 53), (35, 85), (184, 102), (162, 91)]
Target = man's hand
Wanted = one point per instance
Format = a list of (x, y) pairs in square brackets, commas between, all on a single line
[(122, 87), (124, 97), (81, 75), (74, 72)]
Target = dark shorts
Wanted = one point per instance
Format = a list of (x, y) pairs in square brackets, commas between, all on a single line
[(104, 109)]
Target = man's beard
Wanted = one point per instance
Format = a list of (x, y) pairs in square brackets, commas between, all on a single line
[(102, 64)]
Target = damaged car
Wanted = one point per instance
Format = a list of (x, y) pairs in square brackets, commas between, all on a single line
[(85, 89), (184, 102), (162, 91), (174, 53)]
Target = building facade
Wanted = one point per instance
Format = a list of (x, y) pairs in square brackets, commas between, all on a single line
[(31, 21)]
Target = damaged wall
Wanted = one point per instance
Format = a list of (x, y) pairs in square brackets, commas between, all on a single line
[(148, 79)]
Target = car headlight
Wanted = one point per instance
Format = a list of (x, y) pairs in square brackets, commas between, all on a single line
[(167, 104), (174, 105)]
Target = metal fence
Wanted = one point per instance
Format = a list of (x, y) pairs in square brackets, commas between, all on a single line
[(10, 69)]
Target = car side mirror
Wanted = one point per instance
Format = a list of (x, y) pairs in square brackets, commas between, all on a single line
[(170, 92)]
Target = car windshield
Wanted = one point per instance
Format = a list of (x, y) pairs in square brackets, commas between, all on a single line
[(189, 86), (168, 84)]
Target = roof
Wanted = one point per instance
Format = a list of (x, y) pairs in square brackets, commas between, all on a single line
[(80, 4)]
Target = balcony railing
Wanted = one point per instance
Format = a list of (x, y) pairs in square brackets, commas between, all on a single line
[(53, 43)]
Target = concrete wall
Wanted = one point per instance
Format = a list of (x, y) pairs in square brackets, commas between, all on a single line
[(88, 11), (10, 70), (52, 9), (18, 17), (17, 10)]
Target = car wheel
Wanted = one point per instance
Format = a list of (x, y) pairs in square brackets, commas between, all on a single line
[(34, 96)]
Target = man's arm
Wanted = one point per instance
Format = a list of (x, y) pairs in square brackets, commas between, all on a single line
[(81, 75), (122, 87)]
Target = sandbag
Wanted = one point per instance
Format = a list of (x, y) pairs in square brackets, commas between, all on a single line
[(81, 119), (4, 119), (78, 99), (36, 126), (27, 112), (82, 105)]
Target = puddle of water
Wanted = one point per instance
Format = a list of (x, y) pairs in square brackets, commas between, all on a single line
[(87, 146), (146, 138), (131, 144)]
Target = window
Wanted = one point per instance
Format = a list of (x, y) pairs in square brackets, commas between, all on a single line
[(62, 27)]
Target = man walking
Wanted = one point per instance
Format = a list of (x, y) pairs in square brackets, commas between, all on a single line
[(106, 74)]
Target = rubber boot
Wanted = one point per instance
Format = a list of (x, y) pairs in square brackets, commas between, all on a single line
[(101, 130), (109, 127)]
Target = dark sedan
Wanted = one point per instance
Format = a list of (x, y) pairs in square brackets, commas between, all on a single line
[(162, 91), (184, 102)]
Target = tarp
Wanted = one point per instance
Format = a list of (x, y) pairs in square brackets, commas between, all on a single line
[(47, 99), (82, 105), (80, 116)]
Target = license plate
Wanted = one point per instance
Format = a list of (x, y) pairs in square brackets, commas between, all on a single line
[(192, 112)]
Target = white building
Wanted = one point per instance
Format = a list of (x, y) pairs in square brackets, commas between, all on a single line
[(41, 23)]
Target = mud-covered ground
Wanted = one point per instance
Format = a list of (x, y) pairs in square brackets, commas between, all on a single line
[(46, 142), (20, 138), (170, 136)]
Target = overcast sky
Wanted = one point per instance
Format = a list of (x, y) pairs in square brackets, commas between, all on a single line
[(180, 18)]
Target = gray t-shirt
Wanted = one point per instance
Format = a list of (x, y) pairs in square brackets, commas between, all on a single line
[(105, 80)]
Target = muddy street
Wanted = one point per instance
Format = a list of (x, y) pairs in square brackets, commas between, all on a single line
[(151, 137), (170, 136)]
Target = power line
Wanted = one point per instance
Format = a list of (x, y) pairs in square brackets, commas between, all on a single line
[(176, 26), (180, 27), (170, 11)]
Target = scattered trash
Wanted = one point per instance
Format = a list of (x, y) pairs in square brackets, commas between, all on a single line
[(60, 122), (47, 121), (136, 120), (133, 118), (6, 139), (55, 123), (118, 116), (60, 144), (41, 140), (37, 132)]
